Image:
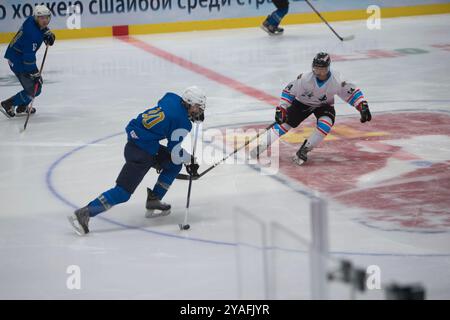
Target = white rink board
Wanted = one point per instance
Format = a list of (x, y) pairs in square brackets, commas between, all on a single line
[(97, 13)]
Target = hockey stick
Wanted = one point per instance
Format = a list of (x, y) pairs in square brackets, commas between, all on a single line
[(36, 86), (323, 19), (185, 226), (188, 177)]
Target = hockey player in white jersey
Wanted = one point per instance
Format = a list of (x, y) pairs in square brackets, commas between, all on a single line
[(313, 93)]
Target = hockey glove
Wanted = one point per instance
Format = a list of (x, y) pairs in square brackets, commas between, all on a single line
[(162, 158), (192, 167), (199, 118), (280, 115), (363, 109), (49, 38)]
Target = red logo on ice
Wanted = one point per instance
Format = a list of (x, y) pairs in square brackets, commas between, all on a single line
[(396, 169)]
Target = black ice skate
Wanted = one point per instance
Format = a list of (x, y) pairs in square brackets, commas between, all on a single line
[(279, 30), (301, 155), (22, 110), (80, 221), (7, 108), (270, 29), (155, 208)]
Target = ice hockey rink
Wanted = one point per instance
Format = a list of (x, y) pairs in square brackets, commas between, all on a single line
[(387, 182)]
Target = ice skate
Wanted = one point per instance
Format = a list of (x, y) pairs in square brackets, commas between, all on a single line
[(7, 108), (271, 29), (301, 156), (155, 208), (80, 221), (22, 110)]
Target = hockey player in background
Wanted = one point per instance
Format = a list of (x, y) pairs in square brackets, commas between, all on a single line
[(21, 55), (272, 23), (143, 152), (313, 93)]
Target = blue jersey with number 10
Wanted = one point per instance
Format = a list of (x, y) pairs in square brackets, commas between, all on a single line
[(159, 123)]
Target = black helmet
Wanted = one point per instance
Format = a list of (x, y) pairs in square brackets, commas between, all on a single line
[(322, 59)]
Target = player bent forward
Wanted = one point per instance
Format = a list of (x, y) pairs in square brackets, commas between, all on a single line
[(143, 152), (313, 93)]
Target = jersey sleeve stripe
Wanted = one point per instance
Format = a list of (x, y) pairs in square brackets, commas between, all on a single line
[(287, 96), (288, 101)]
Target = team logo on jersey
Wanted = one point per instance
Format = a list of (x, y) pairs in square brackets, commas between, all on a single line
[(35, 46), (308, 94), (323, 98), (394, 173), (351, 90), (134, 135)]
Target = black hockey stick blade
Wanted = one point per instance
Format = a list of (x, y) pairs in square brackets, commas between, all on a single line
[(348, 38), (182, 176)]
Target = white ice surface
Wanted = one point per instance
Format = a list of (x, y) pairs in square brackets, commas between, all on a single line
[(94, 87)]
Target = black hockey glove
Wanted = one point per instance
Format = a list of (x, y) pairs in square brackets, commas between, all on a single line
[(49, 38), (280, 115), (162, 157), (199, 118), (363, 109), (192, 167)]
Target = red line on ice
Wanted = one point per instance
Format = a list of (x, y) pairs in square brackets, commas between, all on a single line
[(208, 73)]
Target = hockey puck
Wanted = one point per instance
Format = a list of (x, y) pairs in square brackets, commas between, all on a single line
[(184, 226)]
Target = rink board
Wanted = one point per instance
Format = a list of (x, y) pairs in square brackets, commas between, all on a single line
[(229, 18)]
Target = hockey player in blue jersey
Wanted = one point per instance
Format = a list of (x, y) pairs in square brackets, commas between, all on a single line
[(21, 55), (170, 119)]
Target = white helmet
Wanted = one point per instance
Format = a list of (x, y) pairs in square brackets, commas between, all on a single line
[(41, 10), (194, 96)]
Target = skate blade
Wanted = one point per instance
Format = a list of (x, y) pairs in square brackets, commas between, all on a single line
[(267, 30), (4, 112), (154, 213), (23, 114), (298, 161), (349, 38), (76, 225), (270, 33)]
